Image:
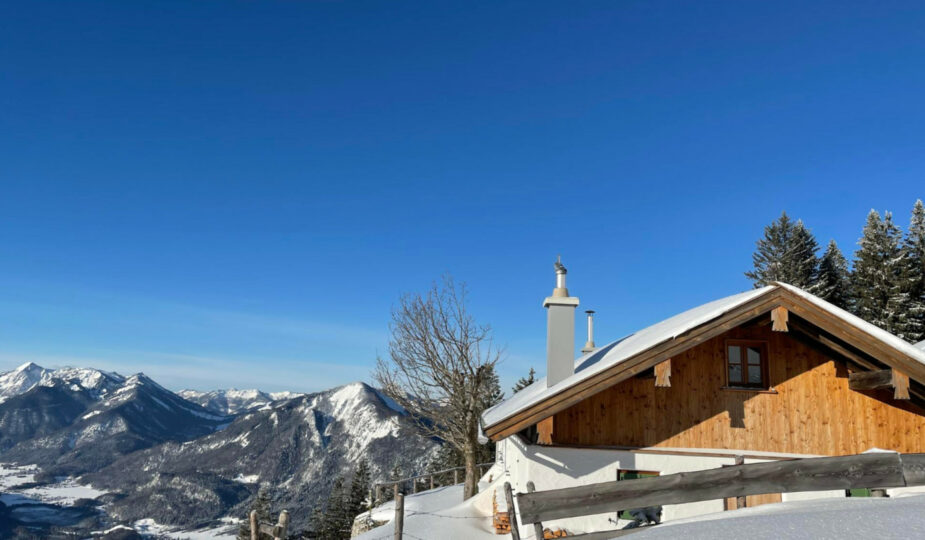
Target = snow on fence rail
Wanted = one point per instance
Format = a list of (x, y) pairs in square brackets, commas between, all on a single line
[(396, 484), (880, 470)]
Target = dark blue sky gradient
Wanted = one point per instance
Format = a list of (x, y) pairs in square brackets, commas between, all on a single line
[(219, 192)]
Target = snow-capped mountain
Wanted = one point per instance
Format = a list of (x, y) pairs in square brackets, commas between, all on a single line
[(234, 401), (29, 375), (75, 420), (295, 446)]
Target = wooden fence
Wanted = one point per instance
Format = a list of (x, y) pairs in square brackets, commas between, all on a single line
[(277, 532), (878, 470), (428, 480)]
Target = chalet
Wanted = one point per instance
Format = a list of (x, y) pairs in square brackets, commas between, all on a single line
[(768, 374)]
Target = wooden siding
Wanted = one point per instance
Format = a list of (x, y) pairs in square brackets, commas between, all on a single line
[(810, 409)]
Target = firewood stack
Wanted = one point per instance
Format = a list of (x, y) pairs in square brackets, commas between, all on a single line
[(500, 520)]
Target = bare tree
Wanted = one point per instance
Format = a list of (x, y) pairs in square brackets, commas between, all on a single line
[(440, 367)]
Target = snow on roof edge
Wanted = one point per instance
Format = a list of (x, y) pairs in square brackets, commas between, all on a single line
[(917, 352)]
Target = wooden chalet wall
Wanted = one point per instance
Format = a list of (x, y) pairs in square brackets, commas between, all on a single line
[(810, 411)]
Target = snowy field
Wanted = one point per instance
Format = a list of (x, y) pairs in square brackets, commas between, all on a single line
[(860, 517), (14, 483), (227, 531), (440, 514)]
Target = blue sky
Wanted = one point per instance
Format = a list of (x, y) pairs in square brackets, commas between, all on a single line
[(235, 193)]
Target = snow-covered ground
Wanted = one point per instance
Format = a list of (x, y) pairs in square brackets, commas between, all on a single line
[(227, 531), (440, 513), (857, 517), (63, 493)]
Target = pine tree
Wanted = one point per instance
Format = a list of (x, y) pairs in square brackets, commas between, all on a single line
[(262, 505), (524, 382), (491, 388), (914, 281), (786, 253), (359, 489), (879, 282), (834, 282), (329, 521)]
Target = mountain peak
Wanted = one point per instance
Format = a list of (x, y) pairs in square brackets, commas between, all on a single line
[(29, 366)]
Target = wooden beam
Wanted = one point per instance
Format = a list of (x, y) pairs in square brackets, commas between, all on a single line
[(871, 380), (900, 384), (779, 316), (879, 470), (663, 374), (880, 379)]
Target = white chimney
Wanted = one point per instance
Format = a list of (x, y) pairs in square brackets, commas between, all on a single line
[(589, 345), (560, 330)]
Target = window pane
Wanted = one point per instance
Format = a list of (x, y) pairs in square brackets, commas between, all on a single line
[(754, 374), (754, 355), (735, 355), (735, 373)]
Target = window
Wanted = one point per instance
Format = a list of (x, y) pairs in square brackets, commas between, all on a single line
[(746, 364), (626, 474)]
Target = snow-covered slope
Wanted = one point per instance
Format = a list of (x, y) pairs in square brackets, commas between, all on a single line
[(298, 446), (921, 344), (234, 401)]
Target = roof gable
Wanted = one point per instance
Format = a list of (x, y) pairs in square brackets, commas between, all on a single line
[(636, 352)]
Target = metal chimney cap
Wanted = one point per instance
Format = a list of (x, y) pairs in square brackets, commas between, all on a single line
[(560, 268)]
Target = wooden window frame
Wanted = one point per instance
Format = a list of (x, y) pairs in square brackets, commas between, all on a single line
[(743, 345)]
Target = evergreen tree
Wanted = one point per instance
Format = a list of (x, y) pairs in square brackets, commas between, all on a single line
[(395, 473), (880, 269), (329, 521), (786, 253), (491, 388), (914, 281), (359, 489), (524, 382), (834, 282), (262, 505)]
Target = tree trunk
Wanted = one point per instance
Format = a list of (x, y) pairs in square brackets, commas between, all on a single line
[(472, 480)]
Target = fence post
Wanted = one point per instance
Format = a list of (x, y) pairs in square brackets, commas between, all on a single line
[(255, 532), (283, 527), (741, 502), (414, 485), (399, 516), (511, 512), (378, 495), (431, 481), (538, 526), (455, 476), (394, 491)]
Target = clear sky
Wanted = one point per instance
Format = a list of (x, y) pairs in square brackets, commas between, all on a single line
[(229, 193)]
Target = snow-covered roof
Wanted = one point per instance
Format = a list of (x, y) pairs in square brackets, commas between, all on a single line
[(921, 345), (614, 353)]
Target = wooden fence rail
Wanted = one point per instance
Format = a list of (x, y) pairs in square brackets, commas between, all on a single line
[(879, 470), (378, 486)]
